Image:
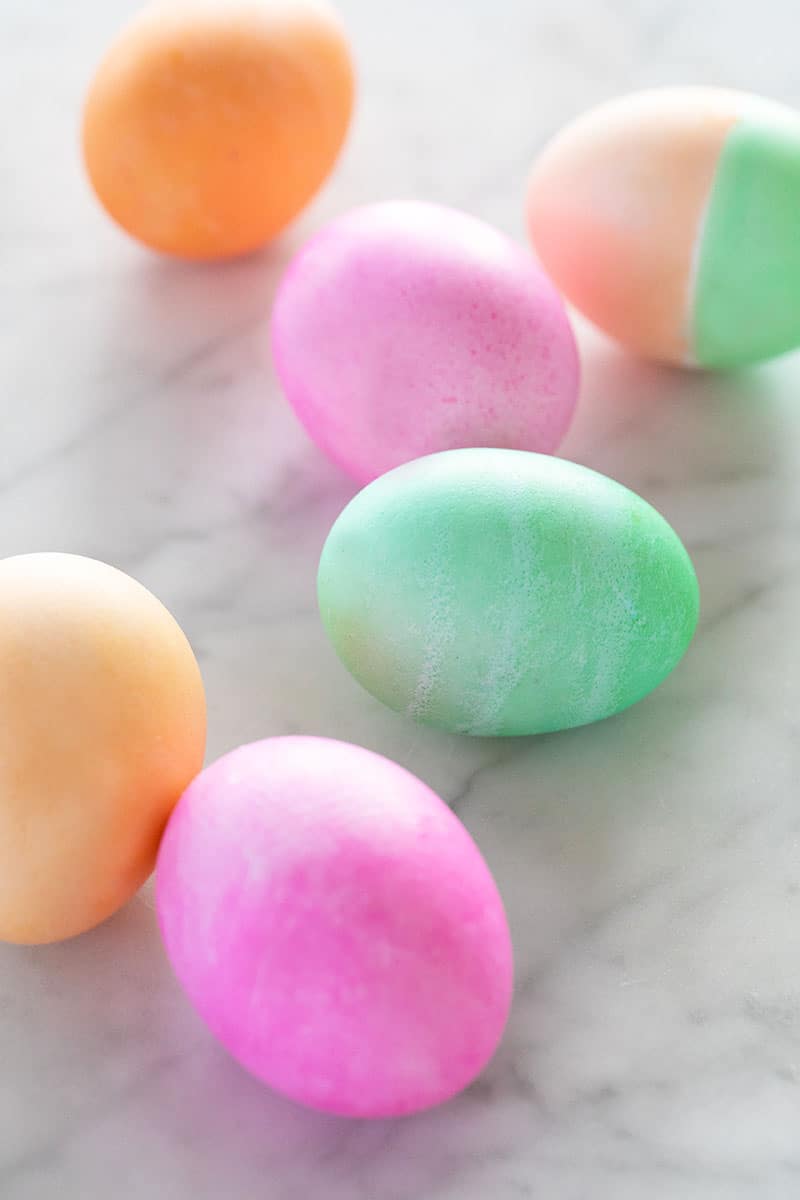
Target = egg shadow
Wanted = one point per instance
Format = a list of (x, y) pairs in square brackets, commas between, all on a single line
[(183, 350), (205, 334), (656, 425), (213, 1103), (120, 1059), (195, 456)]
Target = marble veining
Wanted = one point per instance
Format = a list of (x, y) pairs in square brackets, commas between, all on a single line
[(650, 864)]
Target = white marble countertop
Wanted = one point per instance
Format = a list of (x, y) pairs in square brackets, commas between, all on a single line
[(650, 865)]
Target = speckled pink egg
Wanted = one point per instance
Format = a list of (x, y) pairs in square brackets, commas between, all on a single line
[(335, 926), (406, 328)]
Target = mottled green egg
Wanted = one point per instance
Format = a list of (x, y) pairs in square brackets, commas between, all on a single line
[(498, 592)]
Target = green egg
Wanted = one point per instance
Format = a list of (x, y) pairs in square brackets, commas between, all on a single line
[(498, 592)]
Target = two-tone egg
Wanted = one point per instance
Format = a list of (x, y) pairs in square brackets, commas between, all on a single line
[(670, 219)]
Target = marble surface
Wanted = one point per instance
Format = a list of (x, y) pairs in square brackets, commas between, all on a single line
[(650, 865)]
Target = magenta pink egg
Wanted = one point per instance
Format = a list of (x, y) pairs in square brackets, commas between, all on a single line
[(406, 328), (335, 926)]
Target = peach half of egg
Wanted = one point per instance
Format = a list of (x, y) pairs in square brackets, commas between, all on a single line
[(670, 218)]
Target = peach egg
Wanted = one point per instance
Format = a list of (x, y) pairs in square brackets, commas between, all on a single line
[(102, 726), (209, 125)]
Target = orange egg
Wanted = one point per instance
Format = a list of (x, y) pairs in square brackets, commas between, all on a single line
[(211, 123), (102, 727)]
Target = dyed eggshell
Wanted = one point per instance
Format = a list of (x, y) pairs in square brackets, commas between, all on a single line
[(209, 126), (669, 218), (335, 926), (497, 592), (102, 726), (406, 328)]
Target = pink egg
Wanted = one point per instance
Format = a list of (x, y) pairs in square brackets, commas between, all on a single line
[(335, 926), (405, 328)]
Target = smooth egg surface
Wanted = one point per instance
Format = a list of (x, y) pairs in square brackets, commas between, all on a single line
[(208, 126), (405, 328), (102, 726), (335, 926), (669, 218), (498, 592)]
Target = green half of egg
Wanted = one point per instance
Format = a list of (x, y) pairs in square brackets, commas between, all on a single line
[(747, 288)]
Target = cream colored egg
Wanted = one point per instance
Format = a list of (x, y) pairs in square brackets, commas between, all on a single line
[(102, 726)]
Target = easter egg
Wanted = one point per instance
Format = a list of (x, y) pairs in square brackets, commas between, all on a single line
[(406, 328), (669, 218), (209, 126), (335, 926), (497, 592), (102, 726)]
